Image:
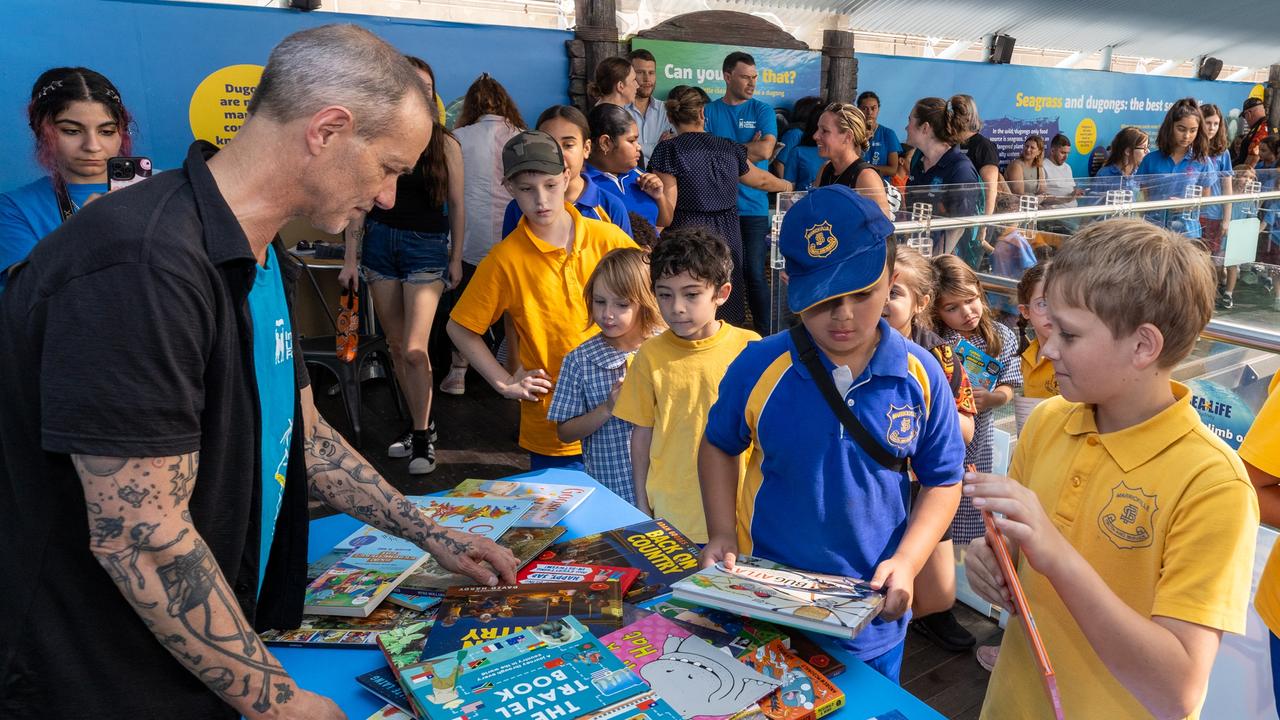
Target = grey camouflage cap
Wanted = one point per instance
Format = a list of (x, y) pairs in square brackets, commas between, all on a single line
[(532, 150)]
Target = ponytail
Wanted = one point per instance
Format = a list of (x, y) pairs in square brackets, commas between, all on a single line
[(947, 124)]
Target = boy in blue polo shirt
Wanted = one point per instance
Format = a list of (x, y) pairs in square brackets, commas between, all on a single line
[(821, 494)]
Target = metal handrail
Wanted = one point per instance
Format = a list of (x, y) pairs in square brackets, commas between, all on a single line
[(1009, 218), (1253, 337)]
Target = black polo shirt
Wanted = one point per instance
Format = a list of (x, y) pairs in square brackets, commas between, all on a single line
[(126, 333)]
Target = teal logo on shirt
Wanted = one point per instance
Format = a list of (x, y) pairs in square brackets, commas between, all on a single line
[(904, 424)]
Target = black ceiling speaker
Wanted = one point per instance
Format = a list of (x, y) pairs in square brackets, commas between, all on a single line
[(1210, 68), (307, 5), (1001, 50)]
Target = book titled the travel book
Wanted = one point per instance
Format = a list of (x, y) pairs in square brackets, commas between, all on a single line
[(426, 584), (983, 370), (473, 614), (557, 669), (826, 604), (723, 629), (554, 572), (375, 562), (343, 632), (551, 503), (806, 694), (700, 681), (656, 548)]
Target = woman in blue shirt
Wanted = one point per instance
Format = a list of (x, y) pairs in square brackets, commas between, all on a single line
[(805, 159), (1128, 148), (942, 174), (1178, 163), (613, 164), (79, 122), (1220, 179)]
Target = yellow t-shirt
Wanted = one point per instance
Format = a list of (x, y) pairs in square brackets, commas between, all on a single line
[(1261, 449), (671, 387), (1038, 380), (1165, 514), (541, 286)]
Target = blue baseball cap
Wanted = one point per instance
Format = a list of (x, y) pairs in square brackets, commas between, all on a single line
[(835, 243)]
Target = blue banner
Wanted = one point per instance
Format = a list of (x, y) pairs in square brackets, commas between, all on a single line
[(1088, 106), (187, 70)]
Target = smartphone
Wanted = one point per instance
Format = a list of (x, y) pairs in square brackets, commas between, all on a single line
[(126, 171)]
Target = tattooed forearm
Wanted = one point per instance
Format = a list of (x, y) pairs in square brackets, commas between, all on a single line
[(344, 480), (140, 532)]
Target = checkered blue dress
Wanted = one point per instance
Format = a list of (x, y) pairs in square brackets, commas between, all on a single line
[(967, 524), (586, 377)]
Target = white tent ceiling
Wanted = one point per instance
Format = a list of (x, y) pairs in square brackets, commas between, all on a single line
[(1239, 32)]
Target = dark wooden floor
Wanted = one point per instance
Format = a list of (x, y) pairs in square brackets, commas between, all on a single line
[(478, 440)]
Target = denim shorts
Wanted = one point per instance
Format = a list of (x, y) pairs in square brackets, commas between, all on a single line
[(412, 257)]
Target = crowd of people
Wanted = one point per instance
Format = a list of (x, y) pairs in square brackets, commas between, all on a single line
[(608, 270)]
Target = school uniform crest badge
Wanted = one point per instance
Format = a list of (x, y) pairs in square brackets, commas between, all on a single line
[(1128, 518), (820, 241), (904, 424)]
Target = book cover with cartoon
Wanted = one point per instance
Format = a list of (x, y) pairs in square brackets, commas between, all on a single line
[(699, 680), (551, 503), (805, 692), (656, 548), (723, 629), (541, 571), (758, 588), (473, 614), (430, 579), (556, 669), (343, 632), (983, 370)]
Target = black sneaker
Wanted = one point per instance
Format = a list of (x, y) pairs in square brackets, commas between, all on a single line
[(945, 631), (424, 460), (403, 446), (1226, 302)]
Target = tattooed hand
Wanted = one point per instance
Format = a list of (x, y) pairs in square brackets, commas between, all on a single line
[(471, 555)]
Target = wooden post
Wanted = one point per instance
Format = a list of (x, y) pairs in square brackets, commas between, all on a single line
[(839, 67), (1271, 99), (597, 31)]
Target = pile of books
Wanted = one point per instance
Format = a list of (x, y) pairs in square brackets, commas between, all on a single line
[(620, 624)]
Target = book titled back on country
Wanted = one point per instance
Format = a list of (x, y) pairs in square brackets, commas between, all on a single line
[(758, 588), (656, 548)]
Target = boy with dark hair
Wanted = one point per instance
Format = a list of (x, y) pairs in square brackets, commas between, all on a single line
[(535, 274), (1135, 524), (739, 117), (827, 415), (672, 381)]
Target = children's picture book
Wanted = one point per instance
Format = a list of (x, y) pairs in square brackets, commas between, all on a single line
[(402, 647), (723, 629), (552, 572), (390, 712), (474, 614), (805, 693), (384, 686), (551, 503), (432, 580), (983, 369), (811, 652), (656, 548), (758, 588), (556, 669), (343, 632), (360, 581), (698, 679)]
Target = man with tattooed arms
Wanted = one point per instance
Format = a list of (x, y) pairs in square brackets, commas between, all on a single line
[(158, 439)]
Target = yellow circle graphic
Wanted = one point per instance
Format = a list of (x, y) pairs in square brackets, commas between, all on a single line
[(1258, 91), (220, 103), (1086, 136)]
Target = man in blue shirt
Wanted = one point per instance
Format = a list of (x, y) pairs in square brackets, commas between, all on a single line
[(747, 121), (883, 150), (817, 495), (649, 112)]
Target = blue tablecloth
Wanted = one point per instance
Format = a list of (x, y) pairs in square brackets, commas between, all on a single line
[(332, 671)]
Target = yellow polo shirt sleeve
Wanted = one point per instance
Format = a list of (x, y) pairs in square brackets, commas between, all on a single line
[(638, 400), (1261, 449), (487, 296)]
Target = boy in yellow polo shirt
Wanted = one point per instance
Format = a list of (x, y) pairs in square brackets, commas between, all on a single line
[(1261, 454), (1134, 524), (536, 274)]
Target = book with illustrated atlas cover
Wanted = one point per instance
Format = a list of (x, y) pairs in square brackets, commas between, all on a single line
[(551, 503), (805, 694), (473, 614), (343, 632), (698, 679), (430, 580), (826, 604), (656, 548)]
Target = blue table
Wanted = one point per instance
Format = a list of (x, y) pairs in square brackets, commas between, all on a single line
[(332, 672)]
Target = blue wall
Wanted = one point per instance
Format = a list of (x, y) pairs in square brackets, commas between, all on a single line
[(158, 52)]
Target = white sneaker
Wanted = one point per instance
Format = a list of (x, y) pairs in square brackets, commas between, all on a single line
[(455, 382), (403, 446), (423, 462)]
